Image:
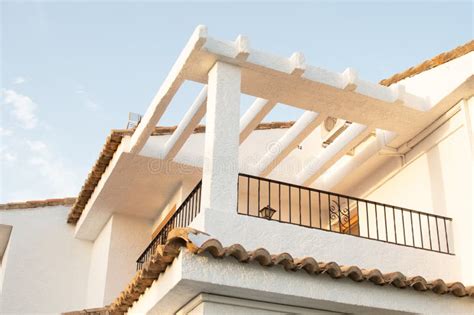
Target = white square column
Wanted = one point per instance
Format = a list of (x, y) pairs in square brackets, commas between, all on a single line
[(221, 147)]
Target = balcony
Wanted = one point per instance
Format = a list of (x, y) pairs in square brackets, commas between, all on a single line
[(316, 209), (182, 217)]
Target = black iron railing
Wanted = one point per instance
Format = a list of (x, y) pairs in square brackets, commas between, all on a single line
[(182, 217), (288, 203)]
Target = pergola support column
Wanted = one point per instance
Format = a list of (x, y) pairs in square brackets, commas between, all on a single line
[(221, 148)]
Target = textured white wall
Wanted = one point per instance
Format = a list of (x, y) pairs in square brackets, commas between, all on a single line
[(130, 236), (326, 246), (50, 271), (47, 268), (98, 267), (440, 181), (113, 258)]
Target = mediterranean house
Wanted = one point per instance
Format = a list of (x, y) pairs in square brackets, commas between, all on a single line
[(363, 205)]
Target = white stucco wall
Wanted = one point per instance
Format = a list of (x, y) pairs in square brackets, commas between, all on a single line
[(98, 267), (440, 181), (47, 268), (130, 236), (113, 258)]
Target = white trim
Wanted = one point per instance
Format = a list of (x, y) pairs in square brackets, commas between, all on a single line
[(257, 305)]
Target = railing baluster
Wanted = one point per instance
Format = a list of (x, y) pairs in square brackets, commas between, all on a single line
[(320, 216), (339, 213), (412, 232), (394, 225), (248, 195), (258, 199), (429, 231), (446, 234), (437, 234), (310, 212), (188, 209), (329, 212), (299, 203), (385, 218), (289, 203), (279, 202), (376, 221), (367, 214), (192, 204), (358, 218), (269, 194), (349, 214), (403, 223), (421, 231), (238, 192)]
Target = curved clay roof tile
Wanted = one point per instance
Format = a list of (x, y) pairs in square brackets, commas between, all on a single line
[(284, 259), (262, 256), (238, 252), (308, 264)]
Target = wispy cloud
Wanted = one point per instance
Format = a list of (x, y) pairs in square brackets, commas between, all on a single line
[(6, 156), (88, 101), (19, 80), (5, 132), (58, 178), (90, 104), (22, 108)]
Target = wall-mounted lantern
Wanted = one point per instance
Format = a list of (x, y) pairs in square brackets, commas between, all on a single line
[(267, 212)]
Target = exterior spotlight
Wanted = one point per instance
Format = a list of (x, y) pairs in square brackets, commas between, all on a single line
[(267, 212)]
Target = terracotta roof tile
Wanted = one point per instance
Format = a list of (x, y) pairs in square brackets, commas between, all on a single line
[(110, 147), (90, 311), (179, 238), (431, 63), (108, 150), (37, 203)]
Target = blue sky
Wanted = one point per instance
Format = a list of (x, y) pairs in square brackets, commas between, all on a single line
[(71, 71)]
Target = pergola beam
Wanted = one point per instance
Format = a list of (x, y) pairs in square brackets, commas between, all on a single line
[(289, 141), (186, 126), (332, 153), (167, 91), (253, 116), (334, 175)]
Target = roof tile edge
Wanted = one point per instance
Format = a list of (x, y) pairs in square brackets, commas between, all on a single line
[(179, 238), (38, 203), (430, 63)]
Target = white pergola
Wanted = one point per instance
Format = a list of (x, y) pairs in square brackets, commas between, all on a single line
[(231, 68), (382, 118)]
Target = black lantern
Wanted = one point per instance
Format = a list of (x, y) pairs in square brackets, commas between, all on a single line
[(267, 212)]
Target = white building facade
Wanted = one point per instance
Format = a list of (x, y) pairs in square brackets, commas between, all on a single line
[(363, 205)]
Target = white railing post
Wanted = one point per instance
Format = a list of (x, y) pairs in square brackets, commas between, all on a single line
[(221, 148)]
